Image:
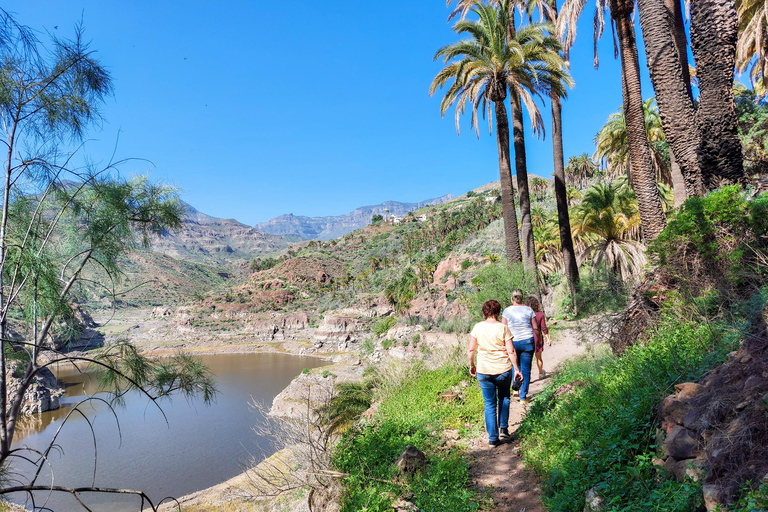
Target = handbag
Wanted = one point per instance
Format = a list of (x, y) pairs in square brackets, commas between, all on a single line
[(517, 383)]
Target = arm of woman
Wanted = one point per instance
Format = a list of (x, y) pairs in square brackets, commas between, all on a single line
[(471, 355), (534, 323), (545, 330), (511, 353)]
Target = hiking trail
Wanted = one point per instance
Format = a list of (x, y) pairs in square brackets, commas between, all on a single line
[(513, 487)]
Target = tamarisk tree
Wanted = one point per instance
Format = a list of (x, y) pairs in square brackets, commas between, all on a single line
[(62, 224)]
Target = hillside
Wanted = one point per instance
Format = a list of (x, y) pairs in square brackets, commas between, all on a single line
[(327, 228), (214, 241)]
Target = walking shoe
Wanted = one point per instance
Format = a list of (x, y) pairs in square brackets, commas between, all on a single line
[(494, 444), (503, 432), (516, 393), (524, 400)]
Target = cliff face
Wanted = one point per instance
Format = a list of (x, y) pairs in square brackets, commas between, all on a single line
[(206, 239), (327, 228)]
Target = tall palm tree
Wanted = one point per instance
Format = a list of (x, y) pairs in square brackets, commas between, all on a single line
[(612, 147), (556, 80), (527, 64), (643, 175), (539, 187), (480, 71)]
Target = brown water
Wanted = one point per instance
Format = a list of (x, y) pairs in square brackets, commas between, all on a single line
[(198, 447)]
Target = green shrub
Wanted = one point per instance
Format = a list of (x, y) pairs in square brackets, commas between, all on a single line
[(753, 500), (415, 339), (326, 373), (721, 236), (496, 281), (405, 343), (386, 343), (401, 292), (384, 325), (306, 371), (368, 346), (471, 193), (466, 264)]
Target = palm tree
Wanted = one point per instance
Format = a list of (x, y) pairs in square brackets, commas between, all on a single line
[(527, 64), (480, 74), (714, 31), (607, 217), (643, 180), (553, 79), (667, 57), (612, 148), (539, 216), (579, 169), (539, 187)]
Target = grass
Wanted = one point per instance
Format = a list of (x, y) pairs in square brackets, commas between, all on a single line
[(601, 434), (411, 413)]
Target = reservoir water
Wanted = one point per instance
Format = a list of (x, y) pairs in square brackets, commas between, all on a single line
[(198, 447)]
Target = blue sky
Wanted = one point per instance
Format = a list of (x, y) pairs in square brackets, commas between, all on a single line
[(255, 109)]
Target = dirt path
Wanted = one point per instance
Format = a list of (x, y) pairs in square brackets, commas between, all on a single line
[(514, 489)]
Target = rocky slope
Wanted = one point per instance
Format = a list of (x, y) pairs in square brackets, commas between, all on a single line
[(214, 241), (327, 228)]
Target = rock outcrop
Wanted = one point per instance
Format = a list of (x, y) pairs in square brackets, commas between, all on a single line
[(43, 395), (715, 431)]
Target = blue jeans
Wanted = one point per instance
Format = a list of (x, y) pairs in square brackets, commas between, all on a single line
[(495, 390), (524, 350)]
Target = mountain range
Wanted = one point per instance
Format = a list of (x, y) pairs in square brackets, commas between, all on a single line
[(327, 228)]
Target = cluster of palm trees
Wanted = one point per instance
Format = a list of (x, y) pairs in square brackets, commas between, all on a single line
[(670, 140)]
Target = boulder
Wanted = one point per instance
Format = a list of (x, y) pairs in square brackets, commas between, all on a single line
[(687, 390), (161, 312), (712, 496), (682, 443), (411, 460), (593, 502), (672, 409)]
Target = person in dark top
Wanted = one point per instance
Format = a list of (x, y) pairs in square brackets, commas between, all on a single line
[(541, 334)]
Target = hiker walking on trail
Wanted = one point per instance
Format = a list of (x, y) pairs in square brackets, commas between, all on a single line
[(495, 362), (541, 334), (521, 321)]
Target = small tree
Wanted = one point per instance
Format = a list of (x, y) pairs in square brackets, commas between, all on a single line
[(59, 221)]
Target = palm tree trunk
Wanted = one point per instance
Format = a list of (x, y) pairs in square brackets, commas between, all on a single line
[(561, 198), (678, 182), (678, 117), (511, 235), (714, 28), (681, 42), (643, 176), (521, 169)]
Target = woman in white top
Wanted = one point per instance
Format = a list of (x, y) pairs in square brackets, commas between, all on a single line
[(495, 360), (521, 321)]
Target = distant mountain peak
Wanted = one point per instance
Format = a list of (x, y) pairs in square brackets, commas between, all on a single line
[(335, 226)]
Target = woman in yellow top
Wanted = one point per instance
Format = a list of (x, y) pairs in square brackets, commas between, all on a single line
[(495, 360)]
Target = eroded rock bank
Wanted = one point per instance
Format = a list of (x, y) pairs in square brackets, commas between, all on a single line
[(716, 430)]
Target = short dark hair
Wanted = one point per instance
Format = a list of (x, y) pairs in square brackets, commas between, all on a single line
[(491, 308)]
